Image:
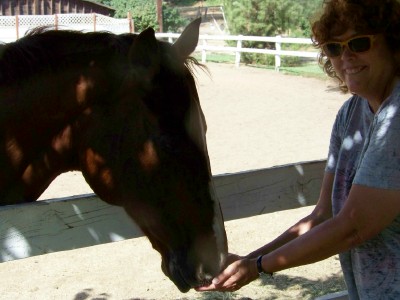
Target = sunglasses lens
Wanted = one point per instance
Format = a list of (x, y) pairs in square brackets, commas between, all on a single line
[(332, 49), (361, 44), (358, 44)]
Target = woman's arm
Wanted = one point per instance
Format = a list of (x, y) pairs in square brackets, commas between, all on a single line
[(243, 270), (321, 213), (366, 213)]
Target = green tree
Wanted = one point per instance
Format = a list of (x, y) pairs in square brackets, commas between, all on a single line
[(172, 20), (144, 14), (310, 9), (263, 18), (269, 18)]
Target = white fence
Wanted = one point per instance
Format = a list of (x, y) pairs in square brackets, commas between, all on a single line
[(14, 27), (204, 46)]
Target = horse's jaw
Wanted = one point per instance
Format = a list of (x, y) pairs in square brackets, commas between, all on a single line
[(194, 268), (205, 258), (168, 266)]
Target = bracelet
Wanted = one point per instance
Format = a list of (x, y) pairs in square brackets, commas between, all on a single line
[(259, 266)]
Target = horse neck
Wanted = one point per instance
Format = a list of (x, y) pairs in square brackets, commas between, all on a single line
[(42, 112)]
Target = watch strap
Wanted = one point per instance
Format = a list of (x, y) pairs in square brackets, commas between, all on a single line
[(260, 269)]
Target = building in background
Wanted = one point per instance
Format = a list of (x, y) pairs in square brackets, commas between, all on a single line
[(50, 7)]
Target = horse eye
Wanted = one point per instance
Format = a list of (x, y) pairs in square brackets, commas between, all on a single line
[(169, 144)]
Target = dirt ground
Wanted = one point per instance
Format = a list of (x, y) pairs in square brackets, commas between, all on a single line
[(256, 119)]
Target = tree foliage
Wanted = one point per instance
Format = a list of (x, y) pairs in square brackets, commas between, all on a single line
[(172, 20), (246, 17), (270, 17), (144, 14)]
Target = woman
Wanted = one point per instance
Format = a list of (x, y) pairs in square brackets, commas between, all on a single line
[(358, 212)]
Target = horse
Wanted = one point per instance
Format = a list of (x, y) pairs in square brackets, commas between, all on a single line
[(124, 110)]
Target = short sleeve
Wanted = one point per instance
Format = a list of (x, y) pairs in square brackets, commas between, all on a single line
[(379, 166), (334, 146), (338, 132)]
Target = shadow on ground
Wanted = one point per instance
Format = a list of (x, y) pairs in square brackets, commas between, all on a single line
[(286, 287), (278, 287)]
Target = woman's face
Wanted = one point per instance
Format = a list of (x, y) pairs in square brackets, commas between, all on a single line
[(368, 74)]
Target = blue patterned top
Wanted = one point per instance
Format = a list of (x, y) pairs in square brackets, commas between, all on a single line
[(365, 150)]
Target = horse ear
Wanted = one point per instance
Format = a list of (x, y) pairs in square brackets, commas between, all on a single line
[(187, 42), (145, 51)]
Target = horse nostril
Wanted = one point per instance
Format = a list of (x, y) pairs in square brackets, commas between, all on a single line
[(204, 282)]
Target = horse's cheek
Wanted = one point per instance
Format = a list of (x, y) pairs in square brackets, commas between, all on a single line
[(148, 157), (82, 88), (97, 172)]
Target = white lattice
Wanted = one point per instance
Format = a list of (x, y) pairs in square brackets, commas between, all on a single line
[(35, 21), (67, 19), (12, 27), (7, 21)]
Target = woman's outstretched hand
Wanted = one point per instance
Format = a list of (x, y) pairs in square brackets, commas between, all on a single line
[(238, 273)]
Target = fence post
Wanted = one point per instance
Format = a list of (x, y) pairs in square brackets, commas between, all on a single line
[(17, 26), (238, 47), (94, 22), (277, 56), (130, 21), (203, 51), (56, 21)]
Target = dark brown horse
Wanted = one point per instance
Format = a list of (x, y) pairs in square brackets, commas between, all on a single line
[(124, 110)]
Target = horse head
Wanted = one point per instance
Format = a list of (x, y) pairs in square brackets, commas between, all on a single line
[(158, 167)]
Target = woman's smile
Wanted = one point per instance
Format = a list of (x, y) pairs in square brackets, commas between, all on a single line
[(354, 70)]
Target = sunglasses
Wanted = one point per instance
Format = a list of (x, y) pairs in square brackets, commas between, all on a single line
[(361, 43)]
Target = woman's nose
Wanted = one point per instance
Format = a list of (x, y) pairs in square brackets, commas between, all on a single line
[(347, 53)]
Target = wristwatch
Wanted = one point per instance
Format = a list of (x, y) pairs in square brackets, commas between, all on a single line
[(259, 267)]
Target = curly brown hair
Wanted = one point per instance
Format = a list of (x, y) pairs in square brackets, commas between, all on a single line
[(365, 17)]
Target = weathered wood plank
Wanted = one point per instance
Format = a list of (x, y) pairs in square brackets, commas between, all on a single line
[(75, 222), (342, 295), (252, 193), (63, 224)]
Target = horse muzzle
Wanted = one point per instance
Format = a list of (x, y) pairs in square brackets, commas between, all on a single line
[(194, 267)]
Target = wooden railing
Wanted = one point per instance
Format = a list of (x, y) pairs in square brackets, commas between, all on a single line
[(205, 47), (14, 27), (75, 222)]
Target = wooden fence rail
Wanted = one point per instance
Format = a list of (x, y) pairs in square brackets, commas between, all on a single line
[(205, 47), (69, 223), (14, 27)]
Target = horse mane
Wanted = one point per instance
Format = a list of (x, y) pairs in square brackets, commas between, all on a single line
[(192, 63), (46, 49), (39, 30)]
